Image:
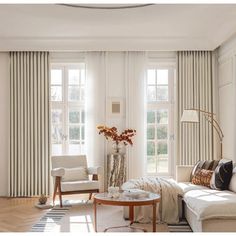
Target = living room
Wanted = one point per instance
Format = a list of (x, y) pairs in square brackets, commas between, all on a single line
[(117, 117)]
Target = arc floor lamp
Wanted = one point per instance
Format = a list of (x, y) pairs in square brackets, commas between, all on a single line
[(192, 116)]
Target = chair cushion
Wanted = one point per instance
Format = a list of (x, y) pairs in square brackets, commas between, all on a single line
[(79, 185), (188, 186), (75, 174)]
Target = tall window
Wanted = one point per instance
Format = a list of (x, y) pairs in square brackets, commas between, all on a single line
[(67, 109), (160, 97)]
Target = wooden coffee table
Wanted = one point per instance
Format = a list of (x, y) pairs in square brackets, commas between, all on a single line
[(102, 198)]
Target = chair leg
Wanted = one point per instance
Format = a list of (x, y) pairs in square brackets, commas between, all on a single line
[(90, 196), (59, 191), (54, 193)]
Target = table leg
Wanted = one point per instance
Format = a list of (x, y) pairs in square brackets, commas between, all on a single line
[(95, 215), (131, 214), (154, 216)]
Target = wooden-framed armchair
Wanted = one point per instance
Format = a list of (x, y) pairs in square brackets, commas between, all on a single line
[(72, 176)]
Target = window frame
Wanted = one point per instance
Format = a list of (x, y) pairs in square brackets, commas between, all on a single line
[(165, 105), (66, 105)]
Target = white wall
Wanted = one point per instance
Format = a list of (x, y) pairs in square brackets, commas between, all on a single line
[(227, 97), (4, 121)]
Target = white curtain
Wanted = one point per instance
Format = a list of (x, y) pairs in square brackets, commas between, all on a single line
[(29, 143), (95, 107), (135, 111), (195, 89)]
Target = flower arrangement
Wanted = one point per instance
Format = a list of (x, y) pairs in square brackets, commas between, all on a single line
[(112, 133)]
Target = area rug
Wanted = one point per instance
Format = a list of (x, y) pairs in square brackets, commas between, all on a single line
[(182, 226), (78, 216)]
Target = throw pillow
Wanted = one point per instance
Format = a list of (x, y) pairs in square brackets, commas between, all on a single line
[(232, 184), (75, 174), (202, 177), (197, 166), (222, 175)]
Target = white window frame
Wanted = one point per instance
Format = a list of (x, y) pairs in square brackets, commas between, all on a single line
[(168, 105), (65, 104)]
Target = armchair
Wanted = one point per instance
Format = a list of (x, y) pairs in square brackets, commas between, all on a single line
[(71, 176)]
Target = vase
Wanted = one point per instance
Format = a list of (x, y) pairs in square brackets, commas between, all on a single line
[(116, 147)]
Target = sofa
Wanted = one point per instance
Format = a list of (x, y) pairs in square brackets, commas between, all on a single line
[(206, 209)]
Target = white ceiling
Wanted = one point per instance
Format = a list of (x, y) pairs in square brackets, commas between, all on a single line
[(157, 27)]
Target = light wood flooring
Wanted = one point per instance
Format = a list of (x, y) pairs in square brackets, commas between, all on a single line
[(20, 214)]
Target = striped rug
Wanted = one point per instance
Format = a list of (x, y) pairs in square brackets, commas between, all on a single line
[(182, 226), (49, 220)]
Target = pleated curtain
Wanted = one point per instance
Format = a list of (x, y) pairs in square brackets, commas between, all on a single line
[(29, 139), (195, 89)]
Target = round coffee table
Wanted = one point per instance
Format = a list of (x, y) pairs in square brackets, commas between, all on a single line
[(102, 198)]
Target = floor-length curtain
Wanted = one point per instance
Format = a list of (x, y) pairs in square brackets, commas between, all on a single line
[(95, 108), (135, 111), (29, 142), (195, 89)]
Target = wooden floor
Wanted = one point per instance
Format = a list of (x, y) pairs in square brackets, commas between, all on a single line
[(20, 214)]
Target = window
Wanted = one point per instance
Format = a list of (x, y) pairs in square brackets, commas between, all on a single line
[(159, 129), (67, 109)]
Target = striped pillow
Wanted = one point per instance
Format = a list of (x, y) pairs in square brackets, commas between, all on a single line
[(202, 177)]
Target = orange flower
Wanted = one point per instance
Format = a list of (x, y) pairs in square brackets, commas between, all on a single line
[(112, 133)]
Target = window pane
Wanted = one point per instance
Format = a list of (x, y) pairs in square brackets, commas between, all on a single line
[(151, 164), (162, 132), (151, 93), (150, 117), (81, 93), (82, 117), (151, 132), (162, 148), (162, 93), (150, 148), (151, 77), (162, 116), (74, 133), (56, 149), (74, 149), (56, 116), (74, 76), (162, 77), (57, 134), (74, 116), (162, 164), (56, 77), (73, 93), (56, 93), (82, 78), (82, 132)]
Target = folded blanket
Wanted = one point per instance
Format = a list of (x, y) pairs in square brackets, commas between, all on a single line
[(168, 190)]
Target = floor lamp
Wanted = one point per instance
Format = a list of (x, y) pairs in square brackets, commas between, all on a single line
[(192, 116)]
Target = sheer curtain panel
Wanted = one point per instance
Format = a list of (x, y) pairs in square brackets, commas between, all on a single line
[(29, 143)]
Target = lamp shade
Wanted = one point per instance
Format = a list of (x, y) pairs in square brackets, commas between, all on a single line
[(190, 116)]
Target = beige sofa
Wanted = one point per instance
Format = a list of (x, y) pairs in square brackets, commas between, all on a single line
[(205, 209)]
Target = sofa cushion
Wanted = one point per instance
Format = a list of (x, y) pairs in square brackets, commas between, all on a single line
[(74, 174), (79, 185), (222, 175), (232, 184), (202, 177), (209, 203), (188, 186)]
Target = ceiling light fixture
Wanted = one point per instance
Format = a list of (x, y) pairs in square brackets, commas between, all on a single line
[(106, 7)]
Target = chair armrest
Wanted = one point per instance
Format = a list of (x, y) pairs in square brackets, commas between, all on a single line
[(57, 172), (183, 173), (95, 170)]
